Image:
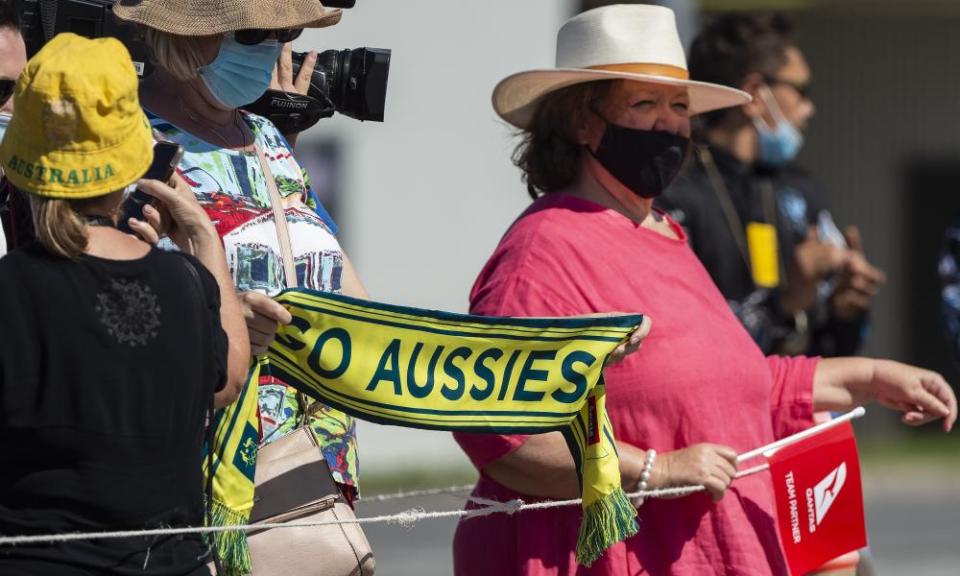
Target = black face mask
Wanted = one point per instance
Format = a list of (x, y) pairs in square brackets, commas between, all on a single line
[(644, 161)]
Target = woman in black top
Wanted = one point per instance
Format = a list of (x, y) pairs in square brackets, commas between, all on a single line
[(111, 351)]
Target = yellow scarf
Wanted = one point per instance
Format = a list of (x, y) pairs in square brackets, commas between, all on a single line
[(236, 437), (441, 371)]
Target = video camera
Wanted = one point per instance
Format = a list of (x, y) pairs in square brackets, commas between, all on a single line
[(352, 82), (41, 20)]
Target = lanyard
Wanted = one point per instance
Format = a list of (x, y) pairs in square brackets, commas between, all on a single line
[(732, 218)]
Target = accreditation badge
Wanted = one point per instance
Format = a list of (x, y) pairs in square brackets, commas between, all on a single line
[(764, 254)]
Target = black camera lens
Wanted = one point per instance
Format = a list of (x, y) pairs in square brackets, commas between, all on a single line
[(354, 81)]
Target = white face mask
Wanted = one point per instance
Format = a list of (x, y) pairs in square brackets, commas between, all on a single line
[(780, 143)]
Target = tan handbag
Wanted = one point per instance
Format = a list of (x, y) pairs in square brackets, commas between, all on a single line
[(294, 484)]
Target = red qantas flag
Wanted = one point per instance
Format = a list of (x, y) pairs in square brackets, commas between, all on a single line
[(819, 498)]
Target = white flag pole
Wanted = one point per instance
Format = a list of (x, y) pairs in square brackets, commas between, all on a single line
[(813, 431)]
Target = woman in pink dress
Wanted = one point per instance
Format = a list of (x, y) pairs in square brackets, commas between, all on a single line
[(603, 135)]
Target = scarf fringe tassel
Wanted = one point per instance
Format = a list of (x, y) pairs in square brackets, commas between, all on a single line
[(231, 546), (607, 521)]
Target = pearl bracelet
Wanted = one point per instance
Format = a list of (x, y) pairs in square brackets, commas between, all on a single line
[(645, 475)]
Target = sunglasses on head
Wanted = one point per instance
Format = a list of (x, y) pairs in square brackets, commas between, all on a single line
[(255, 36), (6, 89)]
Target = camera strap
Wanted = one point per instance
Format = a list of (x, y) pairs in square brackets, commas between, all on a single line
[(48, 18), (292, 113)]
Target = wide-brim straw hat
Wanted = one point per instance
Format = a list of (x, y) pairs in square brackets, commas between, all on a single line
[(207, 17), (619, 42)]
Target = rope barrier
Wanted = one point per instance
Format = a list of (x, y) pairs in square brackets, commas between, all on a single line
[(416, 493), (414, 515), (406, 518), (456, 490)]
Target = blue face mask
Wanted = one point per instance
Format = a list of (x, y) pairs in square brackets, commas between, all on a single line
[(779, 145), (240, 74)]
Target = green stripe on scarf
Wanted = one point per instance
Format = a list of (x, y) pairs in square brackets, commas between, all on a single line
[(236, 435), (441, 371)]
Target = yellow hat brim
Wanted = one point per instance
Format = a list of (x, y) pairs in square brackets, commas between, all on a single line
[(72, 174)]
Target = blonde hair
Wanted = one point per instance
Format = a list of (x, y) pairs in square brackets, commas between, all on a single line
[(58, 225), (178, 55)]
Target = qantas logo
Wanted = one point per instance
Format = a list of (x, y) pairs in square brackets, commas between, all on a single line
[(827, 490)]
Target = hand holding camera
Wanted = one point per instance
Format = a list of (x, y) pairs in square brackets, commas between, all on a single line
[(351, 82), (289, 85), (284, 79)]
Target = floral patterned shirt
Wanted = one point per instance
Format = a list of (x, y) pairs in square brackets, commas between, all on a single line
[(231, 187)]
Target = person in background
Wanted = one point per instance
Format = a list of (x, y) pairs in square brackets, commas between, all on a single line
[(949, 271), (112, 351), (758, 221), (13, 57), (603, 134), (210, 63)]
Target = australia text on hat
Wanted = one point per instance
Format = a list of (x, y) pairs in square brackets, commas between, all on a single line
[(50, 175)]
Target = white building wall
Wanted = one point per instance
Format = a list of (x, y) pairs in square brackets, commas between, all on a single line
[(428, 193)]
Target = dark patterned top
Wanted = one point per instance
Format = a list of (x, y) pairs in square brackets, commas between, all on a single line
[(107, 371)]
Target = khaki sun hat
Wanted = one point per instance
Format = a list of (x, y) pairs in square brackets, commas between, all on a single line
[(207, 17), (623, 41), (79, 130)]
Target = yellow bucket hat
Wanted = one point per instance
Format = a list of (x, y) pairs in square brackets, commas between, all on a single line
[(78, 130)]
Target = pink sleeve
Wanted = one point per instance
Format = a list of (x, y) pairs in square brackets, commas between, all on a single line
[(791, 399), (516, 295), (483, 449)]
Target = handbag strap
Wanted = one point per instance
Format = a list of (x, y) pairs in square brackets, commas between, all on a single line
[(286, 251), (279, 220)]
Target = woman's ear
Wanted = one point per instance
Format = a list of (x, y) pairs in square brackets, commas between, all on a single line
[(752, 85), (590, 129)]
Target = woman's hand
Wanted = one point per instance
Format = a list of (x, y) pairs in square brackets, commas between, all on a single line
[(709, 465), (177, 215), (813, 260), (284, 80), (148, 228), (633, 344), (922, 395), (857, 282), (264, 316)]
